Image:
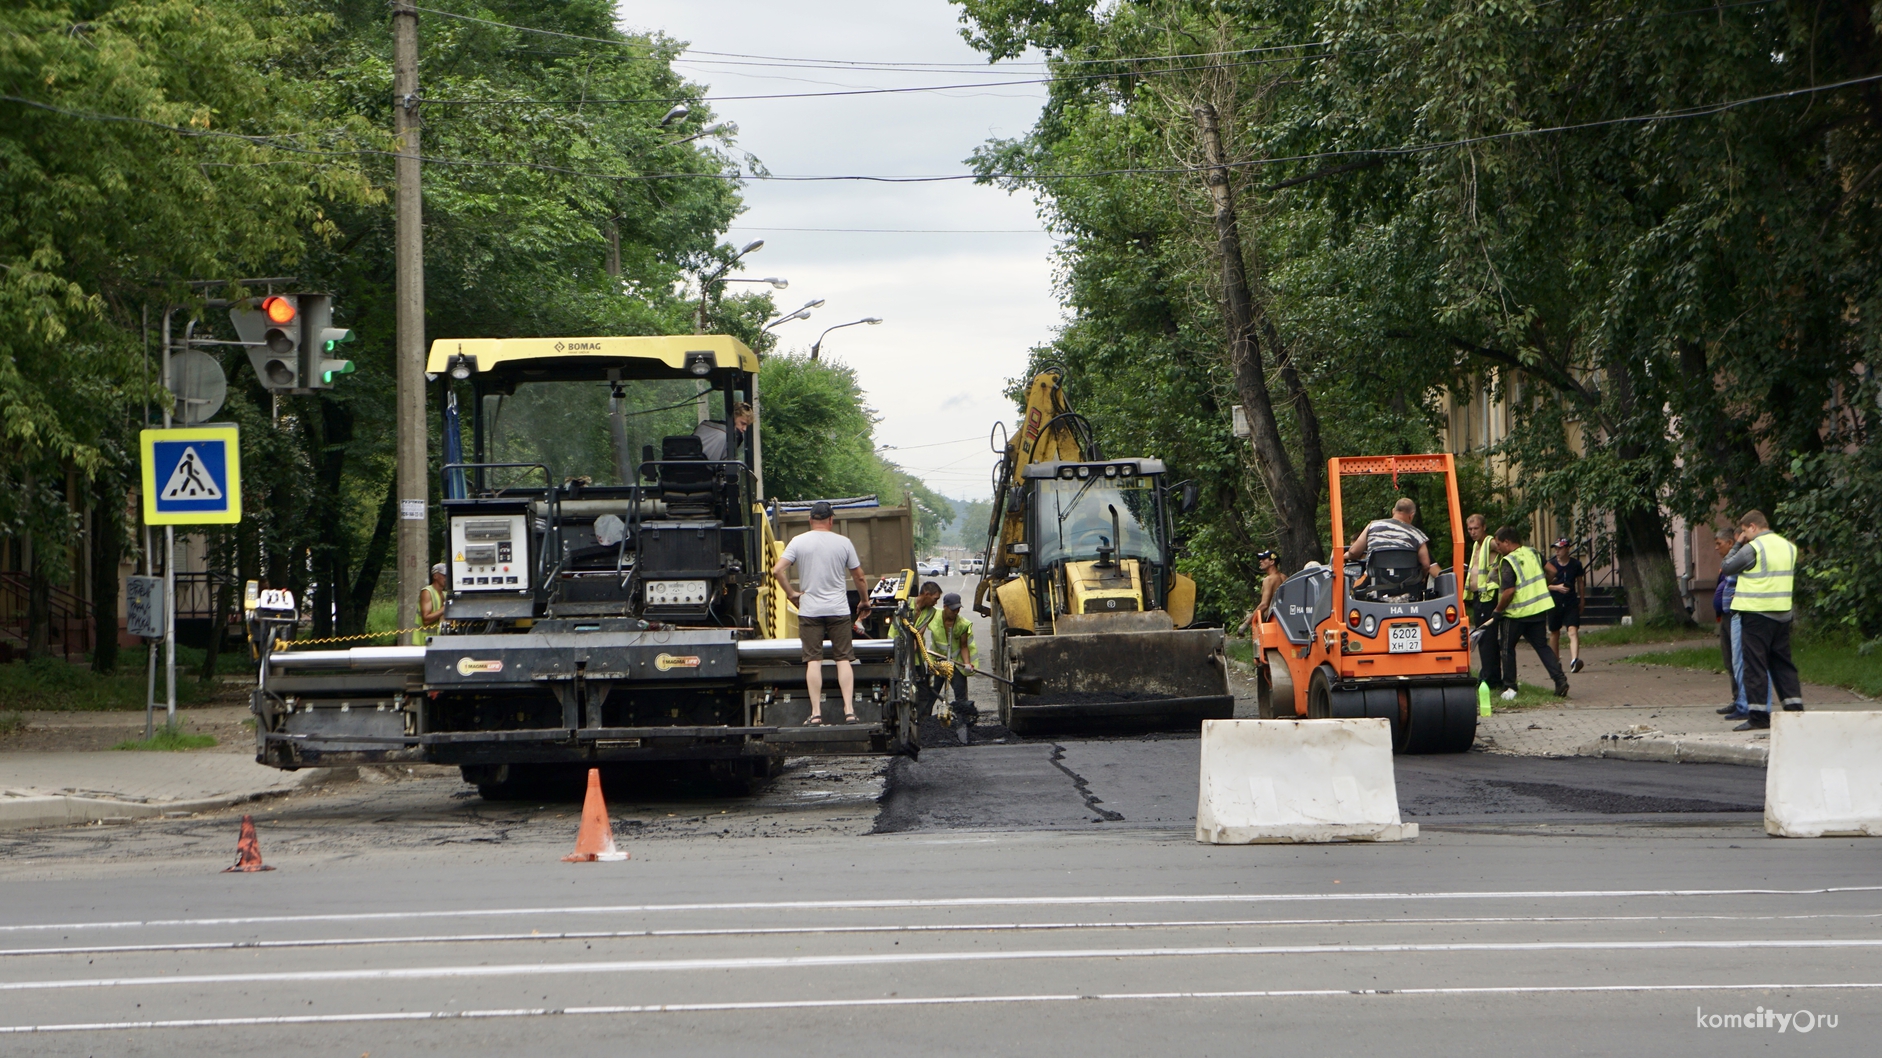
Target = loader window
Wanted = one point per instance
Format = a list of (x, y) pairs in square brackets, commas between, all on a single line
[(583, 429), (1075, 518)]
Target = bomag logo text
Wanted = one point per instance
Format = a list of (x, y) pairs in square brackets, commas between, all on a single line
[(666, 662)]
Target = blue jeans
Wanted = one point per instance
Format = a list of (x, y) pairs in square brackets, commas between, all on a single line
[(1738, 672)]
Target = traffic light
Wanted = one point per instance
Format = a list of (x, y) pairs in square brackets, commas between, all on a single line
[(320, 341), (292, 342), (271, 329)]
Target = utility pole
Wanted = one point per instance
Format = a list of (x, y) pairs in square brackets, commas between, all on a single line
[(409, 250)]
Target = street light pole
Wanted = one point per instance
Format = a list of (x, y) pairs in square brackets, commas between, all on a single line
[(705, 285), (409, 355), (817, 346), (801, 312)]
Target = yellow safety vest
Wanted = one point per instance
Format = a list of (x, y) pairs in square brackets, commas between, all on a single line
[(1483, 559), (1766, 586), (1532, 590)]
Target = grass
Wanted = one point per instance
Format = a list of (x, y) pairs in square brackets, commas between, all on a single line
[(1242, 650), (1827, 659), (56, 684), (1528, 695), (169, 740), (12, 723)]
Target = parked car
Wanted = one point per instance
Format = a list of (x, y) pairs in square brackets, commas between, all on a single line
[(931, 567)]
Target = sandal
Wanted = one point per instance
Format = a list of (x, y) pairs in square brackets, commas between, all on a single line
[(815, 721), (849, 718)]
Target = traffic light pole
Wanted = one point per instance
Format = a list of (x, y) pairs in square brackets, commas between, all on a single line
[(409, 265)]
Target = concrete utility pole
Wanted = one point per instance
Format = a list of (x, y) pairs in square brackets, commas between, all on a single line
[(409, 254)]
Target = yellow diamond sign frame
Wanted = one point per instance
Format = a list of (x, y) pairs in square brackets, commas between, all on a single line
[(192, 475)]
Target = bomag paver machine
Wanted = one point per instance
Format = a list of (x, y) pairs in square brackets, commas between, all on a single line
[(1379, 638), (1090, 618), (609, 601)]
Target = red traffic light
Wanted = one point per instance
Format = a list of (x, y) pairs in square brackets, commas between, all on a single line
[(279, 310)]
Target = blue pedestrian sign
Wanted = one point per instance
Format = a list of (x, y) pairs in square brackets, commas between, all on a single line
[(192, 476)]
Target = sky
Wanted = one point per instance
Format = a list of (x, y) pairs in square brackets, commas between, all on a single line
[(960, 309)]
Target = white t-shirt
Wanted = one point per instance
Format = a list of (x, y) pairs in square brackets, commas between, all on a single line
[(823, 560)]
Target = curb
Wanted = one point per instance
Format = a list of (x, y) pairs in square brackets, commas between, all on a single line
[(58, 810), (1676, 750)]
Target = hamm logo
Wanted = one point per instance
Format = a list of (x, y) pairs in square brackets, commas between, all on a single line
[(666, 662), (471, 666)]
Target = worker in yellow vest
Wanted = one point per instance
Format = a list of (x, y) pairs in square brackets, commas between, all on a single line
[(1522, 610), (1765, 564), (1480, 591)]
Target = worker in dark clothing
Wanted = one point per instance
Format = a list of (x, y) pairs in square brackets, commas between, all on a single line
[(1728, 635), (1765, 564), (1522, 610)]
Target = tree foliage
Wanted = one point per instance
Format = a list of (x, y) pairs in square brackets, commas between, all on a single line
[(1676, 297)]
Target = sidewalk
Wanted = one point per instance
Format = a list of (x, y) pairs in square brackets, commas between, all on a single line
[(1638, 712), (60, 770)]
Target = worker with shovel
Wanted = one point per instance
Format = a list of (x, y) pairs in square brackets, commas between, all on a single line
[(951, 639)]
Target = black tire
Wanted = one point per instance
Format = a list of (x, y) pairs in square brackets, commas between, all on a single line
[(1460, 718), (1319, 696), (1382, 703), (1427, 721), (1003, 692)]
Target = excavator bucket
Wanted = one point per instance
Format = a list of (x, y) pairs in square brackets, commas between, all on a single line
[(1165, 679)]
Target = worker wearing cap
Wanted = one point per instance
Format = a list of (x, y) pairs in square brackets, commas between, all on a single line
[(1565, 576), (431, 604), (1271, 581), (951, 637), (1480, 590), (825, 561)]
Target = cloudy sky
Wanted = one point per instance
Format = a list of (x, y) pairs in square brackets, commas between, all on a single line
[(962, 281)]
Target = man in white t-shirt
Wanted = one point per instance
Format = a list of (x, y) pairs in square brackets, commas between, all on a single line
[(823, 558)]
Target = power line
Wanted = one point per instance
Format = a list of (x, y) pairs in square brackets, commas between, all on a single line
[(1406, 150), (1059, 79)]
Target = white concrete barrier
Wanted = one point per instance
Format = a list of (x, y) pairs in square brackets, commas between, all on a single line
[(1824, 775), (1298, 781)]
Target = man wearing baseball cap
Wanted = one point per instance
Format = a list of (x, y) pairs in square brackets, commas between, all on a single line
[(952, 637), (823, 558), (1565, 576)]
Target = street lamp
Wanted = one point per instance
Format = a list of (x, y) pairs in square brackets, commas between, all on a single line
[(817, 346), (773, 280), (678, 113), (705, 285), (801, 312)]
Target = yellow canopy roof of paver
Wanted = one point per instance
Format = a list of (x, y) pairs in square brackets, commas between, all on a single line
[(670, 348)]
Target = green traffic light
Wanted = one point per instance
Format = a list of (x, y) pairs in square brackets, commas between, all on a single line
[(333, 342), (335, 367)]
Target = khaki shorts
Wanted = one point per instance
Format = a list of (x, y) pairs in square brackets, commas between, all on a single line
[(814, 630)]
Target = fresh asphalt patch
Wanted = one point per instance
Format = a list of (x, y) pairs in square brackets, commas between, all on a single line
[(1152, 782)]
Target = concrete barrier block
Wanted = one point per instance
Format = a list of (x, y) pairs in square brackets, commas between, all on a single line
[(1825, 775), (1281, 781)]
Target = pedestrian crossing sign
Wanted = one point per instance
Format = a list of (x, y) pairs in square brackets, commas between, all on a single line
[(192, 476)]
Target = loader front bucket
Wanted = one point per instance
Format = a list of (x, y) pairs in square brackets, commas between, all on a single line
[(1107, 681)]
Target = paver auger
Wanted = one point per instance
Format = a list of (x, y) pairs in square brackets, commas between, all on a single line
[(1090, 617)]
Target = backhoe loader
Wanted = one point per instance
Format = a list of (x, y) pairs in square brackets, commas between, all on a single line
[(1091, 620)]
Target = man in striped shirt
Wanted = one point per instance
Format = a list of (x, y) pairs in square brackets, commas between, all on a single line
[(1396, 533)]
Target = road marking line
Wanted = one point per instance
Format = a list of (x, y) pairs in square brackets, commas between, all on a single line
[(910, 1001), (777, 962), (912, 904), (952, 927)]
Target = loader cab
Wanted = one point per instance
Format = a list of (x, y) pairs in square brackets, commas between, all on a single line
[(1099, 535), (578, 488)]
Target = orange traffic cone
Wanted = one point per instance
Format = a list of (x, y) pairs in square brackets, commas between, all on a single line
[(247, 850), (596, 839)]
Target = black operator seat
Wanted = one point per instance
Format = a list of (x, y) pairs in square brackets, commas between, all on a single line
[(1393, 571), (687, 490)]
